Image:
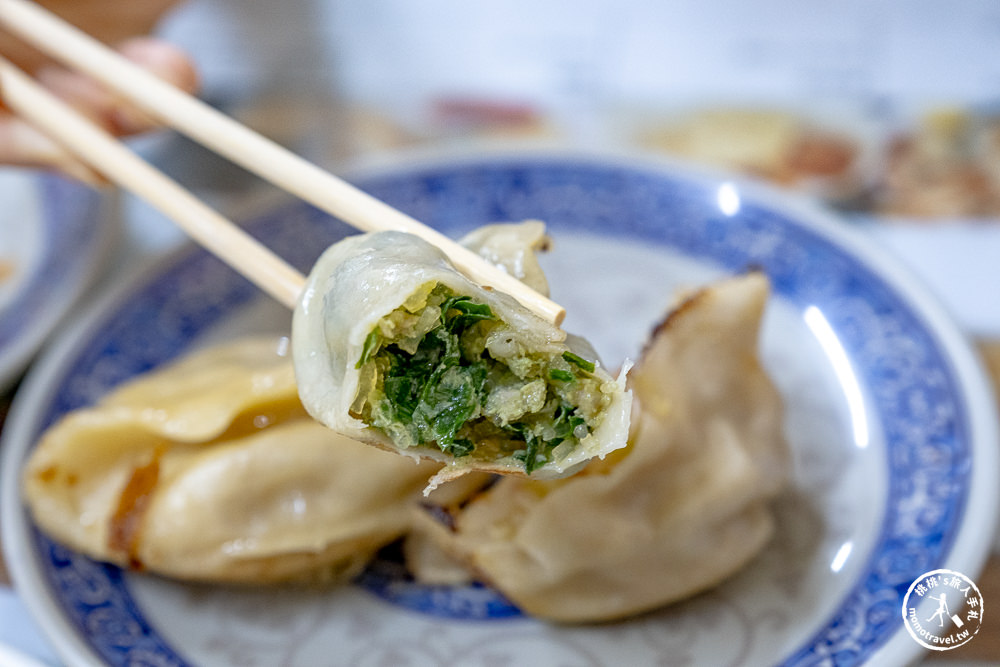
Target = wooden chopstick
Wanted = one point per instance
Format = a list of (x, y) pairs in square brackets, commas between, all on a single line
[(97, 148), (245, 147)]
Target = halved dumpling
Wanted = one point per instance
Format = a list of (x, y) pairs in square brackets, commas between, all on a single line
[(396, 348)]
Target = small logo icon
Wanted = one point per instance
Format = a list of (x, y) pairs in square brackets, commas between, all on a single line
[(943, 609)]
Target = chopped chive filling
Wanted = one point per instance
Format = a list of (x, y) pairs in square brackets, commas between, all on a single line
[(368, 349), (579, 361), (562, 376), (431, 380)]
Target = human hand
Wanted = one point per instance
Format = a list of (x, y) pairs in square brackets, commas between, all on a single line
[(21, 144)]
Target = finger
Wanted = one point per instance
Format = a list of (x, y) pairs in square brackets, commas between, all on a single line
[(23, 145), (163, 60), (111, 112), (81, 93), (109, 21)]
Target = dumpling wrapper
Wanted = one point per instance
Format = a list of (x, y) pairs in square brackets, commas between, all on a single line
[(210, 469), (683, 507), (514, 247), (357, 285)]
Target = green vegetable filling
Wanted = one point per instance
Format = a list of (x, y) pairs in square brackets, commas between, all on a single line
[(428, 380), (579, 361)]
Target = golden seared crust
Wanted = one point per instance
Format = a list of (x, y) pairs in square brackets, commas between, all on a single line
[(684, 506), (210, 470)]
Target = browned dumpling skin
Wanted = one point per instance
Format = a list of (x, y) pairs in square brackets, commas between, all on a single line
[(211, 470), (685, 505)]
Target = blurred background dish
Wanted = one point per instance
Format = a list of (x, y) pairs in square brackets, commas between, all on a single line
[(830, 100), (892, 432), (54, 238)]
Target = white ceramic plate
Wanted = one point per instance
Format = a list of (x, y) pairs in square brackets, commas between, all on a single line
[(890, 418), (52, 243)]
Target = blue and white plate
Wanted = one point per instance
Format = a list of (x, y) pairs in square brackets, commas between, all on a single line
[(889, 416), (53, 240)]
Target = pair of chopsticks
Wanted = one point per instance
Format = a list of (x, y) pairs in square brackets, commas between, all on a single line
[(220, 133)]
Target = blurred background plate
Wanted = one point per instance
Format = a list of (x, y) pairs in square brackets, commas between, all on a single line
[(54, 238), (889, 416)]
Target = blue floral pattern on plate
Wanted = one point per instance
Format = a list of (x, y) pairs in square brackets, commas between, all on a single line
[(898, 357)]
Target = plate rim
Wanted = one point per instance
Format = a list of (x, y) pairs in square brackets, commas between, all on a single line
[(15, 444), (969, 550), (101, 245)]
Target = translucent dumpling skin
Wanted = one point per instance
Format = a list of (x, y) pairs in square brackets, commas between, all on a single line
[(396, 348), (685, 505)]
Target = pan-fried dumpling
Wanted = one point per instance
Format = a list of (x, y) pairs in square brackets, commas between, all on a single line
[(394, 347), (210, 469), (684, 506)]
